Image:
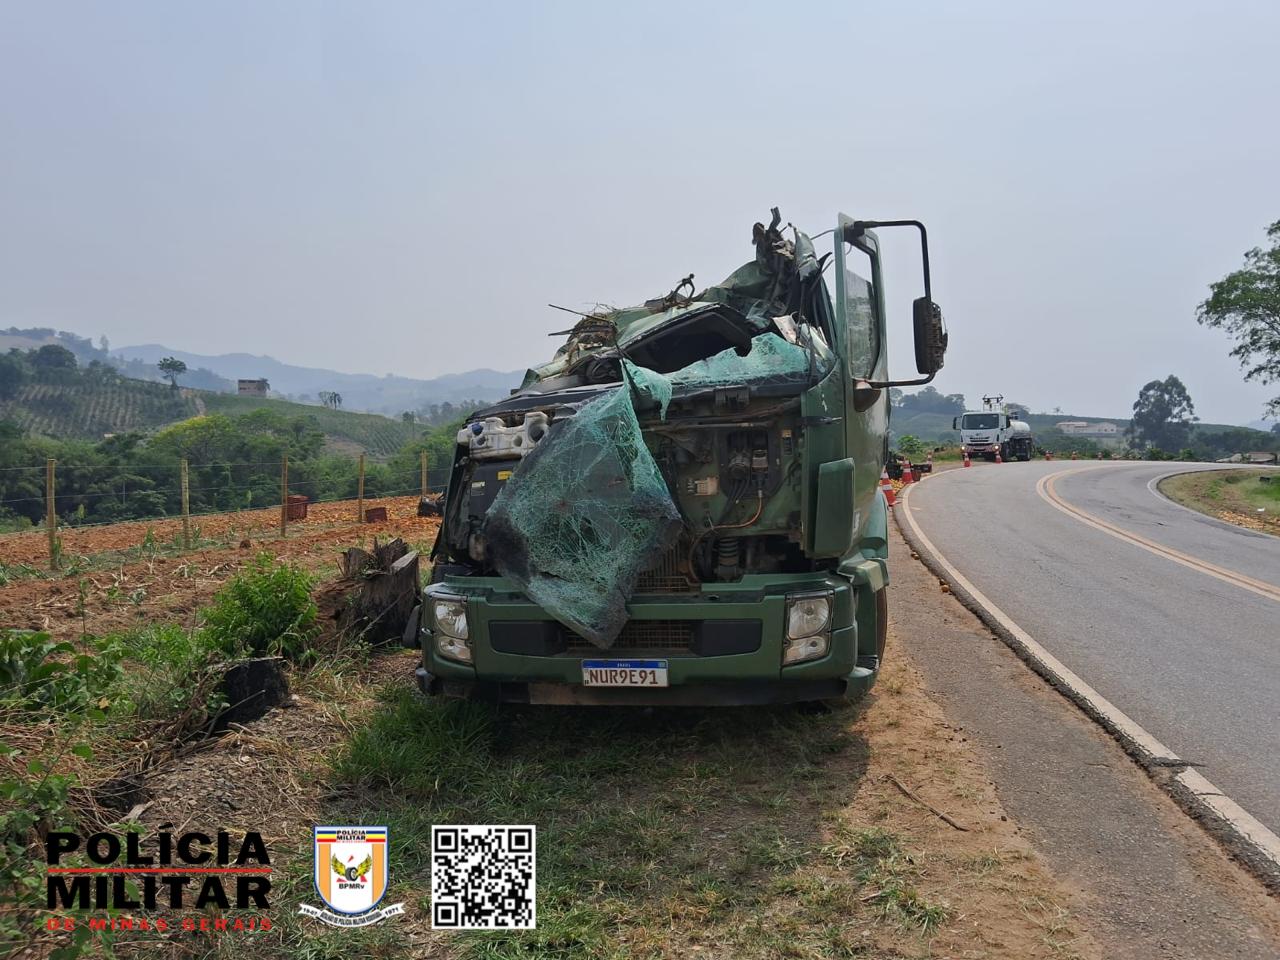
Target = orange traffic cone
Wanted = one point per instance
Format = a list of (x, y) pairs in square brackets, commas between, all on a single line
[(966, 459), (907, 476), (886, 487), (998, 460)]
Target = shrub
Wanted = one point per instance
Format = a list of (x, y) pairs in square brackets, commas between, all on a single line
[(169, 673), (265, 609), (36, 673), (911, 446)]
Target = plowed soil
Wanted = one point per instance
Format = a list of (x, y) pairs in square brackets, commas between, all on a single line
[(107, 596)]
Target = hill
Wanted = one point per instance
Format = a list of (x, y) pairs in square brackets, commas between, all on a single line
[(360, 391), (388, 394), (89, 409), (32, 338), (345, 431)]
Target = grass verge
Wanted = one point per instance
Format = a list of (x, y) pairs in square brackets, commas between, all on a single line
[(1248, 498)]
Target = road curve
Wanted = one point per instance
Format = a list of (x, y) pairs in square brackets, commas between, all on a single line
[(1171, 615)]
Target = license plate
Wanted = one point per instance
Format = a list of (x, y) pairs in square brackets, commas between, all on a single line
[(624, 673)]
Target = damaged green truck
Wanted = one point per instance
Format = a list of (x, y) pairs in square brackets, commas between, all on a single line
[(682, 506)]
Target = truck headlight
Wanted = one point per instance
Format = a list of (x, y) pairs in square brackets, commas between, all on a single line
[(450, 618), (808, 628), (807, 615)]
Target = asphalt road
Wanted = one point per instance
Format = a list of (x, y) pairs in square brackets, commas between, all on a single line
[(1192, 657)]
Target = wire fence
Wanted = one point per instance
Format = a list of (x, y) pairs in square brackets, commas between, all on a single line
[(57, 496)]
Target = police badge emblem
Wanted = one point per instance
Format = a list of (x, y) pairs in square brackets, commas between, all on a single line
[(350, 873)]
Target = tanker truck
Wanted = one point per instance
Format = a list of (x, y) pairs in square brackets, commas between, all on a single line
[(681, 506), (993, 428)]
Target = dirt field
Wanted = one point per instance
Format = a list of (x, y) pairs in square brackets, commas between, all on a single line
[(337, 519), (118, 581)]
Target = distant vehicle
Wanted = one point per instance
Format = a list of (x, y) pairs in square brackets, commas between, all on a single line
[(992, 429)]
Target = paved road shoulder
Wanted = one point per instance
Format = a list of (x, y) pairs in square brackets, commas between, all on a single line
[(1153, 882)]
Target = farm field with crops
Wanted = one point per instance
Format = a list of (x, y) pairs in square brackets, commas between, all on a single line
[(90, 410)]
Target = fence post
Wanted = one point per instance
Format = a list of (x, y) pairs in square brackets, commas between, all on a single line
[(186, 508), (284, 494), (360, 492), (424, 473), (50, 513)]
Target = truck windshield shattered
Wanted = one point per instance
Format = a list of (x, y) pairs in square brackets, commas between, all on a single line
[(688, 484)]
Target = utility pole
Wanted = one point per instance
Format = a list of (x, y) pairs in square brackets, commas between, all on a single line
[(424, 472)]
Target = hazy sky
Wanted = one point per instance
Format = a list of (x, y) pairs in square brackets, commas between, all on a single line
[(402, 187)]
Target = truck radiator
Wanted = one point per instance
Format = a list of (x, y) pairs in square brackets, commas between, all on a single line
[(670, 573)]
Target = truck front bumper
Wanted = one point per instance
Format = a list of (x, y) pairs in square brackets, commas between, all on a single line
[(723, 645)]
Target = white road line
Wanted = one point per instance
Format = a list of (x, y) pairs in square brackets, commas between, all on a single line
[(1247, 828)]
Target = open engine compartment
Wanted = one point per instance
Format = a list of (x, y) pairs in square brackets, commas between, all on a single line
[(658, 451)]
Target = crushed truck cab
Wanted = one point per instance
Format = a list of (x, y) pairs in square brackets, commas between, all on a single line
[(682, 506)]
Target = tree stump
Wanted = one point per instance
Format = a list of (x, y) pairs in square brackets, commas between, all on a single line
[(379, 590)]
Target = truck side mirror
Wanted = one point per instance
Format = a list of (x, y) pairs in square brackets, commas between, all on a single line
[(930, 335), (955, 423), (926, 317)]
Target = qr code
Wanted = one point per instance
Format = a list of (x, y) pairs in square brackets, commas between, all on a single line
[(483, 878)]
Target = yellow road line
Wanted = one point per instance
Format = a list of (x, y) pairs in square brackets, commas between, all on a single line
[(1045, 488)]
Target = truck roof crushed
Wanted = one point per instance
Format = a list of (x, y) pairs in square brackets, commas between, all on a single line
[(586, 509)]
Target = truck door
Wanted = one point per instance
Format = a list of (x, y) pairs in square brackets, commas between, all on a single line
[(860, 319)]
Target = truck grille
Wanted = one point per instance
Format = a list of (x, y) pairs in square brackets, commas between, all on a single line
[(656, 635)]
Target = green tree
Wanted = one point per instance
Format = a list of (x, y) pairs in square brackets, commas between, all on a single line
[(52, 359), (14, 372), (172, 368), (1246, 304), (1162, 415), (910, 446), (929, 400)]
